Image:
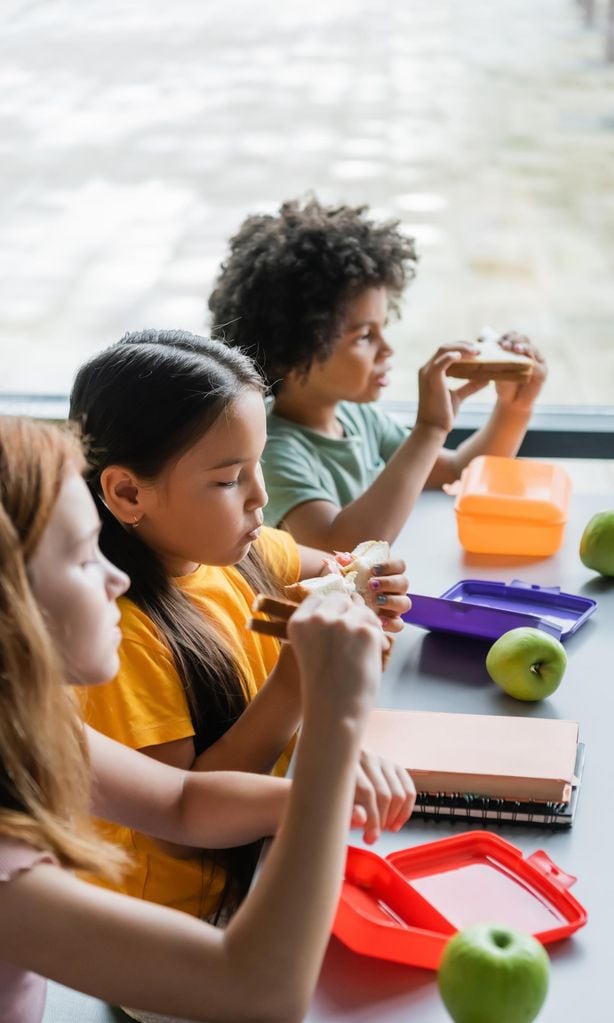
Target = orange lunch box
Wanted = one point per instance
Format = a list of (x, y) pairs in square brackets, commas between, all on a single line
[(512, 506)]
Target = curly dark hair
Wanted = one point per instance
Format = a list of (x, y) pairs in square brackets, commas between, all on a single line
[(280, 295)]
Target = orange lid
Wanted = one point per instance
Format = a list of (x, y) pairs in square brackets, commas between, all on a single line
[(516, 488)]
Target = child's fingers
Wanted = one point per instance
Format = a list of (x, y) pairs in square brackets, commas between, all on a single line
[(393, 603), (372, 766), (537, 355), (471, 387), (365, 797), (409, 798), (394, 567), (441, 362), (388, 597), (359, 816), (457, 347), (402, 792), (512, 341), (388, 584), (391, 623), (519, 343)]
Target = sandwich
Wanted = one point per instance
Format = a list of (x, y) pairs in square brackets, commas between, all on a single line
[(492, 362), (349, 573)]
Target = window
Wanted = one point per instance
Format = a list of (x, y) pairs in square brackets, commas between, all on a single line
[(134, 143)]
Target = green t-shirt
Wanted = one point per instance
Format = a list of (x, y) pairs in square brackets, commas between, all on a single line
[(302, 465)]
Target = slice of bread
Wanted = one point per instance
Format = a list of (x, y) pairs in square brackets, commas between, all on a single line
[(352, 577), (491, 363), (322, 584), (366, 555)]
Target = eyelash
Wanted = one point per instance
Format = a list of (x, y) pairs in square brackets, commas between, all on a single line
[(232, 483), (94, 558)]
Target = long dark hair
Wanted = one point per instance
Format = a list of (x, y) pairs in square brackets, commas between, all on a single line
[(140, 403)]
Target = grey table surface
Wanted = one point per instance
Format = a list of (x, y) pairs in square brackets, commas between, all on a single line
[(429, 671), (436, 672)]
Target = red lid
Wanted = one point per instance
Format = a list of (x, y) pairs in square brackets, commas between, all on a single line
[(406, 907)]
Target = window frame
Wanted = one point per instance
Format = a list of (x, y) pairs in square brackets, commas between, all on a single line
[(555, 431)]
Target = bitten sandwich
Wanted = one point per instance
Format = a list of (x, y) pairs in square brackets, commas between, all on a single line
[(491, 363), (349, 573)]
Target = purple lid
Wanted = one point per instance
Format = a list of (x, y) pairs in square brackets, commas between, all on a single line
[(485, 609)]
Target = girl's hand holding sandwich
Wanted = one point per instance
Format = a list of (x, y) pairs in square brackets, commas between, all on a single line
[(379, 579), (386, 593)]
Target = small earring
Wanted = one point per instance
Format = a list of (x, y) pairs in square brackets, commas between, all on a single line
[(137, 522)]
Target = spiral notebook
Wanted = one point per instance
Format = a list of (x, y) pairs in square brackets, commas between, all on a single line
[(483, 767)]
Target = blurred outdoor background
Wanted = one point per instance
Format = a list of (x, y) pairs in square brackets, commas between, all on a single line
[(135, 137)]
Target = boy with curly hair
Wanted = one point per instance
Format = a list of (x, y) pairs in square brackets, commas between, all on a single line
[(308, 294)]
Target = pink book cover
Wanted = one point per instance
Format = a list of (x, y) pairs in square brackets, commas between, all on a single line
[(504, 757)]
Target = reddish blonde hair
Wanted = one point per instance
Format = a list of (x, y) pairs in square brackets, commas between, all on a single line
[(44, 769)]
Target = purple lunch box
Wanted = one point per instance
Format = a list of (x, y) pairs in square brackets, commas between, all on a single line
[(485, 609)]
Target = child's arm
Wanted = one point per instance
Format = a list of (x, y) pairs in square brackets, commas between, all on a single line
[(212, 810), (504, 432), (265, 964), (386, 504), (421, 461), (384, 795), (257, 738)]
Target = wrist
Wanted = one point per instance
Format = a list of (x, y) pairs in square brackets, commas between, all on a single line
[(286, 673), (519, 413), (430, 429), (330, 726)]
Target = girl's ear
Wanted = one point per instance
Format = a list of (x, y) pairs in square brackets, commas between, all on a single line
[(123, 494)]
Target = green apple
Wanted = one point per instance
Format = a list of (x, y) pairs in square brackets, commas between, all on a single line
[(597, 543), (493, 974), (527, 663)]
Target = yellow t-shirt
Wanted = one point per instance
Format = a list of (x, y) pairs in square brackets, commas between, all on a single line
[(145, 705)]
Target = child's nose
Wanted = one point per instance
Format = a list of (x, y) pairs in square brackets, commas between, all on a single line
[(385, 348), (117, 582), (258, 497)]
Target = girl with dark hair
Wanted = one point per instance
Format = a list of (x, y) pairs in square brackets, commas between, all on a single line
[(175, 426), (58, 624), (308, 293)]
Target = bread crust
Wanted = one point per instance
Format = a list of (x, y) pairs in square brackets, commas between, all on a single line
[(485, 369), (491, 363)]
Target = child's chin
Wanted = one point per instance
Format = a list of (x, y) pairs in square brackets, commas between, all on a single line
[(372, 394), (97, 675), (244, 550), (107, 666)]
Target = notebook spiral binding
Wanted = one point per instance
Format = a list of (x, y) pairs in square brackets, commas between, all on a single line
[(473, 808), (463, 807)]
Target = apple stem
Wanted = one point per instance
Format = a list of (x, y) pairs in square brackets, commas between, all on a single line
[(535, 668)]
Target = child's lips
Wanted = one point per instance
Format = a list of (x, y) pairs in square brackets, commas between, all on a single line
[(383, 380)]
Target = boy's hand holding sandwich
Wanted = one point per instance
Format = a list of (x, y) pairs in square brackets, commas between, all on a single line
[(520, 395)]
